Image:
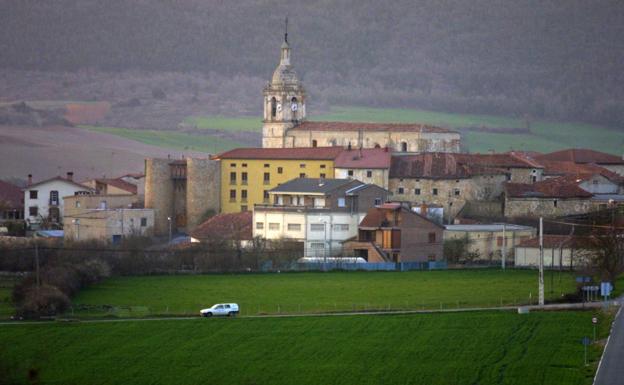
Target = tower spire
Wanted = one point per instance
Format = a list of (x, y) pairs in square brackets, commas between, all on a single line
[(286, 30)]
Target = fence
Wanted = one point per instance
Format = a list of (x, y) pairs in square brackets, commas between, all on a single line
[(352, 266)]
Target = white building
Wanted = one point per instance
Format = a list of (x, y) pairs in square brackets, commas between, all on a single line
[(43, 201)]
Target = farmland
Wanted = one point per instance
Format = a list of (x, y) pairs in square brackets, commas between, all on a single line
[(316, 292), (462, 348)]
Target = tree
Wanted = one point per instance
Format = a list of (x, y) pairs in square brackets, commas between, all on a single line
[(607, 252)]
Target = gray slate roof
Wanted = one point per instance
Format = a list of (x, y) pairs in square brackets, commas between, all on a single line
[(312, 185)]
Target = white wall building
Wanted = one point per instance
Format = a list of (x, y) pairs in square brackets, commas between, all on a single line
[(44, 200)]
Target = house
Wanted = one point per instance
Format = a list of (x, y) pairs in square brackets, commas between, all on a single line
[(560, 252), (235, 227), (106, 217), (393, 233), (11, 202), (442, 179), (247, 174), (585, 156), (320, 213), (43, 201), (488, 240), (369, 165), (116, 186), (137, 179)]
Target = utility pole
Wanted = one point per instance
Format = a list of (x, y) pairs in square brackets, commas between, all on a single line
[(504, 253), (541, 261), (37, 263)]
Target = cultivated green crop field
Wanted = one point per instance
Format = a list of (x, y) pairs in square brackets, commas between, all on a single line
[(316, 292), (6, 286), (461, 348)]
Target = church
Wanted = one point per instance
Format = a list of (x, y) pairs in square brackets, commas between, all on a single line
[(285, 126)]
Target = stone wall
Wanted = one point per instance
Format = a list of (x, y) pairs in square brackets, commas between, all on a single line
[(546, 207), (202, 189), (159, 193)]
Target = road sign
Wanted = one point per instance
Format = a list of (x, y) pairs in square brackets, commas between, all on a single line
[(605, 289), (595, 320), (583, 279), (586, 341)]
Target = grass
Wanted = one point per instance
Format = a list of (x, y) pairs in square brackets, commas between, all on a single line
[(546, 135), (461, 348), (315, 292), (169, 139), (6, 287)]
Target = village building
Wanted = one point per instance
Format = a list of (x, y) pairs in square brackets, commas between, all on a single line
[(393, 233), (232, 227), (106, 217), (584, 156), (182, 192), (561, 252), (320, 213), (248, 174), (446, 180), (106, 186), (285, 125), (43, 201), (11, 202), (369, 165), (488, 242), (137, 179)]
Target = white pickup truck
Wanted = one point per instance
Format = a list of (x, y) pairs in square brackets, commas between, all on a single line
[(226, 309)]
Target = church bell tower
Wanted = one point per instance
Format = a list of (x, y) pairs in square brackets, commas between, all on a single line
[(284, 101)]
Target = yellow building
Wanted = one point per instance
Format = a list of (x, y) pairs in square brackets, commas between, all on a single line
[(247, 174)]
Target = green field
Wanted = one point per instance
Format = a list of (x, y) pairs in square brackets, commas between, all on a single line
[(315, 292), (547, 135), (460, 348), (6, 286), (169, 139)]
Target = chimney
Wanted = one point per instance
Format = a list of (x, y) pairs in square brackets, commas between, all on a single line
[(29, 179), (70, 176)]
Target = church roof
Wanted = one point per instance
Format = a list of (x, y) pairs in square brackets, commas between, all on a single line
[(355, 126)]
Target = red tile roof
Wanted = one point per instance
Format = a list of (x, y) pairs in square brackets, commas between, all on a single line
[(556, 241), (11, 195), (440, 165), (377, 216), (570, 168), (582, 155), (235, 226), (506, 160), (364, 158), (308, 153), (562, 187), (60, 178), (120, 184), (355, 126)]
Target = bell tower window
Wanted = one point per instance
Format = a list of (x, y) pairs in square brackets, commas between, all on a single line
[(404, 146), (273, 107)]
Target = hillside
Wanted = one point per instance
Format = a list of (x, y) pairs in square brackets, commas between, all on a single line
[(535, 59)]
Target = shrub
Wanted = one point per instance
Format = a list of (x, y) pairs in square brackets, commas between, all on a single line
[(46, 300)]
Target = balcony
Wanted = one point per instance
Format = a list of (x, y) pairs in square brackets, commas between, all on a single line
[(53, 202)]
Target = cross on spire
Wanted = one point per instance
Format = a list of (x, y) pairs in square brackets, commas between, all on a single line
[(286, 30)]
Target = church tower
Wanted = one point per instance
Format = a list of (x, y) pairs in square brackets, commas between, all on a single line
[(284, 102)]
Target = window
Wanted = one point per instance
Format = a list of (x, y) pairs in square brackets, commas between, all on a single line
[(369, 173), (232, 178), (259, 225), (377, 201), (322, 175), (265, 196), (555, 203), (280, 170), (319, 202), (534, 179), (232, 195), (404, 146), (317, 227), (400, 190), (432, 237), (456, 192), (317, 245), (302, 165), (274, 226), (266, 165), (350, 172), (233, 165), (322, 166), (245, 165), (341, 202), (294, 227), (431, 258), (499, 241), (302, 175), (243, 195), (244, 208), (314, 144), (143, 222), (595, 181), (267, 178), (273, 107), (54, 197), (33, 211), (508, 177), (33, 194), (77, 204), (244, 178), (341, 227), (435, 191), (417, 191)]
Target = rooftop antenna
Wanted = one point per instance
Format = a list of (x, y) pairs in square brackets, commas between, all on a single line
[(286, 30)]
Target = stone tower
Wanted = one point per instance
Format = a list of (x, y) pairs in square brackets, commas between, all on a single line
[(284, 102)]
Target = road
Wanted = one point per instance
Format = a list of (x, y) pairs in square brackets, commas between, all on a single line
[(553, 307), (611, 368)]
